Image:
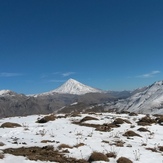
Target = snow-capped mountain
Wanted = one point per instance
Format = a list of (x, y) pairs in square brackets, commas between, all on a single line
[(149, 100), (7, 93), (72, 86)]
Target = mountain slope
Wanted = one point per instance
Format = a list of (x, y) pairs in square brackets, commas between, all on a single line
[(7, 93), (73, 87), (149, 100)]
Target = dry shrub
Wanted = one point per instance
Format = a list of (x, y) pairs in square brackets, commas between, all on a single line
[(47, 141), (97, 156), (145, 121), (131, 134), (121, 121), (75, 115), (118, 121), (46, 153), (87, 118), (152, 149), (2, 144), (124, 160), (47, 118), (1, 155), (119, 143), (141, 129), (64, 146), (111, 154), (79, 145), (10, 125), (132, 114), (159, 119), (160, 148)]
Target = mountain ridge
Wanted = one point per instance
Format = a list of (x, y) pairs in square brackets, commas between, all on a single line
[(149, 100)]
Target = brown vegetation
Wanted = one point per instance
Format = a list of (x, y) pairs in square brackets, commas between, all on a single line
[(145, 121), (87, 118), (121, 121), (132, 114), (10, 125), (160, 148), (64, 146), (46, 153), (47, 118), (141, 129), (124, 160), (130, 134), (97, 156)]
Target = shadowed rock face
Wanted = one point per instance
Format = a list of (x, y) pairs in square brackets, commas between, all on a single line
[(21, 105)]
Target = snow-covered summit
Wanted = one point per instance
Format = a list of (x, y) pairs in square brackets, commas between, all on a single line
[(72, 86), (6, 93)]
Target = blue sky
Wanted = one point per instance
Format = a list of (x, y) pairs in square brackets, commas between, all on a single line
[(107, 44)]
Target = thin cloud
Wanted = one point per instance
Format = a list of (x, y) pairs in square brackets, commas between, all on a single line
[(149, 75), (56, 81), (67, 74), (7, 74), (56, 73)]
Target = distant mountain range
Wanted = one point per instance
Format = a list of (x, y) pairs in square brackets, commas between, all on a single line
[(145, 100)]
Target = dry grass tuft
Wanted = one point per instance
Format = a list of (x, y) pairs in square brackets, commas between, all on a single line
[(160, 148), (47, 118), (152, 149), (47, 141), (1, 156), (131, 134), (97, 156), (124, 160), (111, 155), (79, 145), (46, 153), (145, 121), (10, 125), (61, 146), (121, 121), (87, 118), (2, 144), (132, 114), (141, 129)]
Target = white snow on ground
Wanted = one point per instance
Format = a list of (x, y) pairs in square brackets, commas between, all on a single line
[(63, 131)]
